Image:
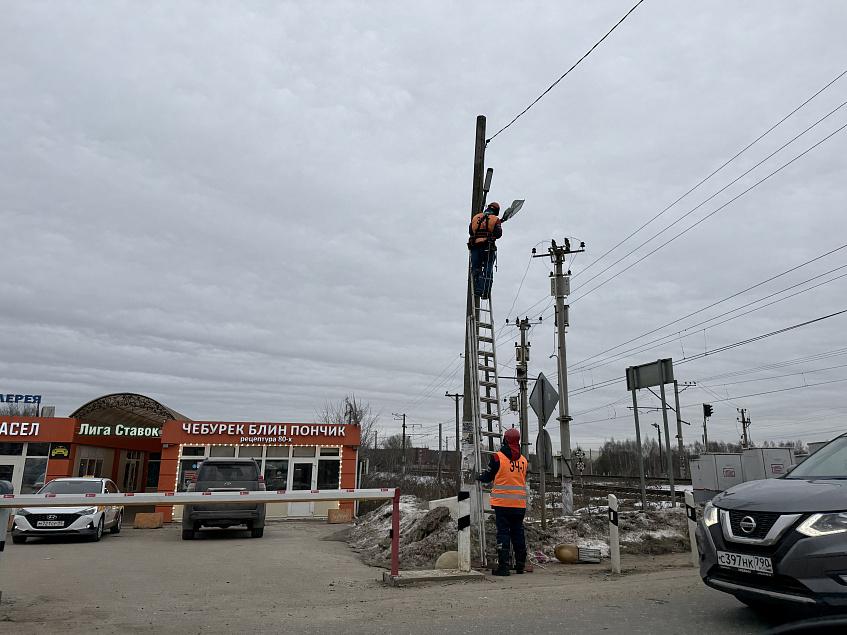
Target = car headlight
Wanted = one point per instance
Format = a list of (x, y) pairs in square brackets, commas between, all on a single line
[(87, 511), (824, 524), (710, 514)]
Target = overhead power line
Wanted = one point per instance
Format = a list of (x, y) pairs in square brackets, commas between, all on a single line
[(553, 85)]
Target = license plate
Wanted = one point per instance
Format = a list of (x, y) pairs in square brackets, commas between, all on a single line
[(50, 523), (740, 562)]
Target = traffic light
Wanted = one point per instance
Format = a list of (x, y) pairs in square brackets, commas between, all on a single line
[(707, 410)]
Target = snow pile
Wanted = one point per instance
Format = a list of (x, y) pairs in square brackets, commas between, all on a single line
[(425, 535)]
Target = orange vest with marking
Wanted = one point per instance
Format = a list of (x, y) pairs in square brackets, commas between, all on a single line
[(509, 489), (482, 230)]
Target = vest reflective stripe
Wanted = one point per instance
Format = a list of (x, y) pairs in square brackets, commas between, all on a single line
[(508, 482)]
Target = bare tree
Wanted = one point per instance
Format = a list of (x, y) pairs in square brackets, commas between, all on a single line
[(352, 411), (16, 410)]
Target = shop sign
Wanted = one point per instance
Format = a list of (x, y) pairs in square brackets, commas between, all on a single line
[(264, 433), (120, 430), (20, 398), (60, 451), (16, 428)]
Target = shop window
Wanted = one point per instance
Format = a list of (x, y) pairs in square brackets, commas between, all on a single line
[(11, 449), (38, 449), (330, 451), (90, 467), (35, 470), (251, 451), (194, 451), (276, 474), (222, 450), (328, 472), (187, 471), (304, 450), (278, 451), (153, 466)]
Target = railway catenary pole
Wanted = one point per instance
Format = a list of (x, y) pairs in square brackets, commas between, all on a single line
[(681, 447)]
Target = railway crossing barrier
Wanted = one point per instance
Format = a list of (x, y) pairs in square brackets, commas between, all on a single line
[(9, 501)]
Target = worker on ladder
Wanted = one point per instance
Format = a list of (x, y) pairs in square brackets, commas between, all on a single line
[(507, 469), (485, 228)]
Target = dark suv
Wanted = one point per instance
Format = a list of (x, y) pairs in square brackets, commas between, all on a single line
[(225, 475), (782, 540)]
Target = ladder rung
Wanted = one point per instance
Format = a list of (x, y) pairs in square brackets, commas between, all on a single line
[(487, 452), (488, 399), (486, 433), (490, 369), (486, 353), (488, 384), (487, 340), (485, 325), (488, 417)]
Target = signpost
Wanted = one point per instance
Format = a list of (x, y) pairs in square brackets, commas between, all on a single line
[(543, 401), (657, 373)]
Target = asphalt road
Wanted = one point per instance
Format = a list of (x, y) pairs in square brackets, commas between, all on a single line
[(294, 579)]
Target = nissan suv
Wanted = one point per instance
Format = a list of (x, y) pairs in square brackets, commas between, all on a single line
[(782, 540), (225, 475)]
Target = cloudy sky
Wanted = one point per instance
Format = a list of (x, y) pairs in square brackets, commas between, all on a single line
[(248, 209)]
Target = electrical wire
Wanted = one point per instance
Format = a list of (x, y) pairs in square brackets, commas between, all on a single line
[(553, 85), (747, 147)]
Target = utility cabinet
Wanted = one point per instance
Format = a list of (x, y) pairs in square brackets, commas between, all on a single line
[(759, 463), (714, 472), (814, 446)]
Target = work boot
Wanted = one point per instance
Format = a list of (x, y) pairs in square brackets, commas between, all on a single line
[(502, 563), (520, 560)]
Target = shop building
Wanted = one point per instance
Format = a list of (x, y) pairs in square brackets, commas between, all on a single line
[(143, 446)]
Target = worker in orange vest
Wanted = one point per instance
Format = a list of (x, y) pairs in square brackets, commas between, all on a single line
[(507, 469), (484, 229)]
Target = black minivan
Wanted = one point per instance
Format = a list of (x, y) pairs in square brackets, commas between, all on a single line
[(782, 540), (225, 475)]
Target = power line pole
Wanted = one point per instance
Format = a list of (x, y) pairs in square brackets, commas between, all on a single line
[(455, 397), (745, 423), (661, 456), (403, 459), (560, 288), (439, 455), (522, 359)]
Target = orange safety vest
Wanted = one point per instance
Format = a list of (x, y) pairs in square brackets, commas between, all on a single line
[(482, 229), (509, 489)]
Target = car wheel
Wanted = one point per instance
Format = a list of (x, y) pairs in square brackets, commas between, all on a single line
[(187, 534), (98, 533), (116, 528), (19, 540), (257, 532)]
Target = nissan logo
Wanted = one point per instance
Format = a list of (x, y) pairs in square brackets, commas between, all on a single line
[(747, 524), (52, 517)]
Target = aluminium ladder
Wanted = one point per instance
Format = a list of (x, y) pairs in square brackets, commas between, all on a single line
[(485, 402)]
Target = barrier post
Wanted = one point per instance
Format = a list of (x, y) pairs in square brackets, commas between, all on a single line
[(691, 513), (614, 538), (5, 512), (395, 535)]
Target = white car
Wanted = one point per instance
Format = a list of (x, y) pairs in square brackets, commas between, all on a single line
[(61, 521)]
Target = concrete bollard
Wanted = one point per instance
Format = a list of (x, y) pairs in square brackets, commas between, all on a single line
[(614, 538), (691, 512)]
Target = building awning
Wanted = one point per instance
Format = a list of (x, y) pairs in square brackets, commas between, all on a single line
[(126, 408)]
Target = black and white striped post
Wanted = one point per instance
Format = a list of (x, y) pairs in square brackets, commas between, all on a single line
[(464, 503), (691, 512), (614, 537)]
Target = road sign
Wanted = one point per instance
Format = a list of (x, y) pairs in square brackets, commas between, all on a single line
[(543, 399), (544, 450)]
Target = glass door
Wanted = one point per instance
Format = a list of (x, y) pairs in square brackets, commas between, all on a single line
[(302, 479)]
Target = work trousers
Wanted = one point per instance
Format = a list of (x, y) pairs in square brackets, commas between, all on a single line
[(482, 270), (510, 527)]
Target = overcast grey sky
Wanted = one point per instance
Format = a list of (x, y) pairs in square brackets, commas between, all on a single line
[(246, 209)]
